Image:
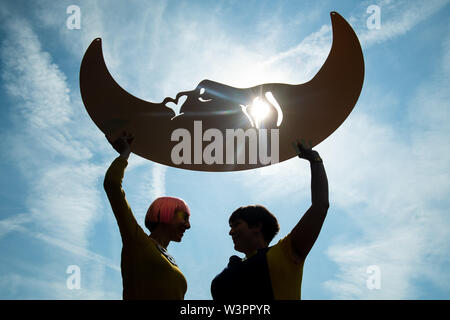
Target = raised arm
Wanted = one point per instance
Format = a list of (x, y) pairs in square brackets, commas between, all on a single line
[(113, 187), (305, 233)]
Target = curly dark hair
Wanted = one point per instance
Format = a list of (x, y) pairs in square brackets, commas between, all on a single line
[(255, 214)]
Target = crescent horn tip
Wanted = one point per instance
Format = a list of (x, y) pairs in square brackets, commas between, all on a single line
[(335, 15)]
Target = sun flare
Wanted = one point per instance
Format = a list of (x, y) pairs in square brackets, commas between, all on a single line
[(259, 109)]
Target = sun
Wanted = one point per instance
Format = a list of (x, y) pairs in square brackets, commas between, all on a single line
[(259, 110)]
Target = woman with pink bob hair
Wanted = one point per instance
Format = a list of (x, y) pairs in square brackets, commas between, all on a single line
[(148, 271)]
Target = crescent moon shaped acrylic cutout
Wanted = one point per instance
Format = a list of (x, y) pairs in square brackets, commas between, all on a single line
[(223, 128)]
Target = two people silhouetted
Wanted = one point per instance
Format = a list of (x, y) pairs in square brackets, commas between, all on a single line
[(266, 272)]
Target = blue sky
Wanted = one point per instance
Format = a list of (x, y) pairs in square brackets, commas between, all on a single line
[(387, 165)]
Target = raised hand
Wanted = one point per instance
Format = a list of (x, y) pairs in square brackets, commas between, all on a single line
[(122, 144), (306, 152)]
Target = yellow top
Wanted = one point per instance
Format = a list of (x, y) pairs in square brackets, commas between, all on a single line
[(285, 270), (269, 273), (146, 272)]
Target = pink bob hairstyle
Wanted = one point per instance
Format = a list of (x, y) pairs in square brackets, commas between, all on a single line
[(163, 209)]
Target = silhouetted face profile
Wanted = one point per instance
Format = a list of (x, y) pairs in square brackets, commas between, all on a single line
[(177, 226), (253, 107), (243, 236)]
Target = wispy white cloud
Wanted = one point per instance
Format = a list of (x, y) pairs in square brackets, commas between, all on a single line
[(41, 93), (22, 223), (395, 212), (307, 56), (13, 223), (398, 18), (31, 77), (158, 188), (49, 147)]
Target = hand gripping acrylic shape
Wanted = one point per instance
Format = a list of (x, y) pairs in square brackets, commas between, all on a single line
[(223, 128)]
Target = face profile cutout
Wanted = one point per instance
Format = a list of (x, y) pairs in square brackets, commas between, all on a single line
[(223, 128)]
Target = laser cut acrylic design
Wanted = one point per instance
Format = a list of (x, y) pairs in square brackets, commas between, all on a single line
[(310, 111)]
